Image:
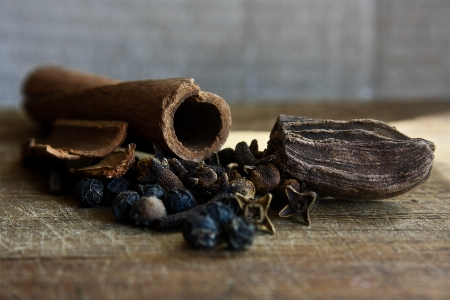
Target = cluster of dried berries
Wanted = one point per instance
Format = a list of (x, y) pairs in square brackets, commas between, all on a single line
[(225, 198)]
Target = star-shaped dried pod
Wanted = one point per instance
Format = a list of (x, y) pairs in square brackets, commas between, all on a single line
[(255, 211), (299, 204), (279, 193)]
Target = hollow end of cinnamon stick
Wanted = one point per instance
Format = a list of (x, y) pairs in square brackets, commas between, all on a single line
[(187, 122), (197, 127)]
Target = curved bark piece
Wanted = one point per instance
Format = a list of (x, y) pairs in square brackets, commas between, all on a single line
[(75, 139), (114, 165), (173, 112), (358, 160)]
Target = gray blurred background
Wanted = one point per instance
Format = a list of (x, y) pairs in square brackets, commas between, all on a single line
[(245, 51)]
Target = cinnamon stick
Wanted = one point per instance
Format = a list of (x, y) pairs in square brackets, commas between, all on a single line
[(186, 122)]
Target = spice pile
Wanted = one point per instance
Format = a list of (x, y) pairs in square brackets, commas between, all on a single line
[(225, 198)]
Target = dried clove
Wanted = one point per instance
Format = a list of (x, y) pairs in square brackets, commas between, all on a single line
[(227, 156), (254, 149), (199, 175), (265, 177), (247, 161), (153, 171)]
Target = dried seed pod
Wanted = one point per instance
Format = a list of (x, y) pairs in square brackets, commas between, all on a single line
[(359, 160), (255, 211), (265, 178), (299, 204), (279, 193)]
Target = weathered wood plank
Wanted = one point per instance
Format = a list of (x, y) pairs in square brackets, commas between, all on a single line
[(50, 248)]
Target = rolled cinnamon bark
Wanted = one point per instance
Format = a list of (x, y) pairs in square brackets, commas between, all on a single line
[(186, 122)]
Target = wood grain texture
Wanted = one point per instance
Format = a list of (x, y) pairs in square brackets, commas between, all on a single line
[(50, 248)]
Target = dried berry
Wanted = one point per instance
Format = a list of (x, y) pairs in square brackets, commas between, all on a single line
[(220, 212), (146, 210), (153, 190), (89, 192), (238, 233), (122, 204), (202, 232), (179, 200), (113, 188)]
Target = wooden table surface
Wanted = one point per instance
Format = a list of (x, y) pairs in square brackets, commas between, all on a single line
[(51, 248)]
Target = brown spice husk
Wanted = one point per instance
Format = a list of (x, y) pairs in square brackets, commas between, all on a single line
[(116, 164), (186, 122), (357, 160)]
